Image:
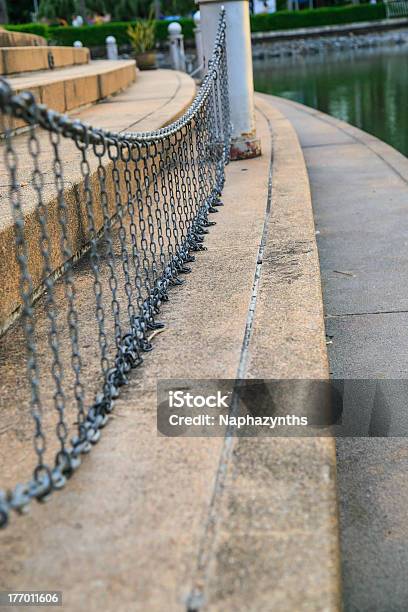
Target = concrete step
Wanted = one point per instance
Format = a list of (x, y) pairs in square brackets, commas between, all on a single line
[(15, 60), (20, 39), (75, 86), (142, 107)]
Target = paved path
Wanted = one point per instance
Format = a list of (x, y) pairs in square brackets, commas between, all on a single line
[(156, 523), (360, 197)]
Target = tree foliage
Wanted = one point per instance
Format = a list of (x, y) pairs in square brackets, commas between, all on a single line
[(178, 7), (57, 9), (19, 12), (120, 10), (126, 10)]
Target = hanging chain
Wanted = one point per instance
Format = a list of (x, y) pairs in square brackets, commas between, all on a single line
[(142, 205)]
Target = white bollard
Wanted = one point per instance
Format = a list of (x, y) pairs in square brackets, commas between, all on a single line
[(111, 48), (198, 42), (245, 143), (176, 39), (78, 44)]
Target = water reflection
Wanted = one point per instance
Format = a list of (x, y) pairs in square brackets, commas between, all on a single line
[(366, 87)]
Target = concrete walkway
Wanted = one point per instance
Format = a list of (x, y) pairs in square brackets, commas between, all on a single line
[(360, 198), (155, 523)]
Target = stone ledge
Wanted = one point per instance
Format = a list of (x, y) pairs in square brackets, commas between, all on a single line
[(15, 60), (278, 519), (10, 38), (291, 265), (75, 86), (142, 107), (359, 27)]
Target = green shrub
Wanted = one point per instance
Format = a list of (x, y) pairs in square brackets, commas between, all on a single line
[(142, 35), (30, 28), (94, 36), (90, 36), (285, 20)]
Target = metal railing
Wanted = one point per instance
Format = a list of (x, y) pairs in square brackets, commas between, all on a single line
[(146, 198), (396, 8)]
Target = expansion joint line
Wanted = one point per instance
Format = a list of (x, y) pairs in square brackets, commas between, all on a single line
[(196, 598)]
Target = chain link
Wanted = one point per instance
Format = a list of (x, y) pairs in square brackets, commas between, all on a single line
[(146, 198)]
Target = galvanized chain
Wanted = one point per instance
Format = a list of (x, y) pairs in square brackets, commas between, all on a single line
[(40, 485), (130, 347), (65, 463), (145, 199), (51, 310)]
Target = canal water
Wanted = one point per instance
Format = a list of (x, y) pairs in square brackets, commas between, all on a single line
[(365, 87)]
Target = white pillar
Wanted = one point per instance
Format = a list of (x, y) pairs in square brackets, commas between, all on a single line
[(244, 144), (176, 40), (111, 48), (198, 40)]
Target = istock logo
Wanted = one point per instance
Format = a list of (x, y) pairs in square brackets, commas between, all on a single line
[(180, 399)]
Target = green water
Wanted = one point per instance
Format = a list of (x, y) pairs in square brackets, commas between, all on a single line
[(368, 88)]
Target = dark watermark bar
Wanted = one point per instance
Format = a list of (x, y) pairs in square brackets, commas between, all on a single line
[(30, 598), (282, 408)]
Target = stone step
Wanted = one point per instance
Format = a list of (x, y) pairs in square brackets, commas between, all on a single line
[(15, 60), (72, 87), (156, 99), (20, 39)]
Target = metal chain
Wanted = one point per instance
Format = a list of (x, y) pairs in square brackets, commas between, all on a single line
[(145, 199), (42, 474), (53, 336), (66, 465)]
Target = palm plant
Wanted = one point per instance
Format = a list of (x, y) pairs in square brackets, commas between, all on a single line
[(142, 35)]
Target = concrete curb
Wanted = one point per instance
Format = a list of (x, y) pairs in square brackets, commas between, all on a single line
[(290, 291), (279, 515), (361, 27), (28, 59)]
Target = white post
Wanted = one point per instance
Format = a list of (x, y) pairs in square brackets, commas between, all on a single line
[(35, 10), (245, 143), (198, 41), (78, 44), (111, 48), (176, 39), (182, 54)]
